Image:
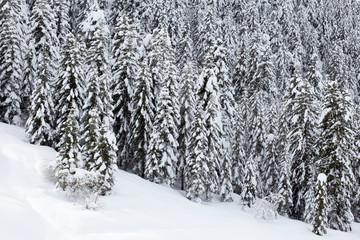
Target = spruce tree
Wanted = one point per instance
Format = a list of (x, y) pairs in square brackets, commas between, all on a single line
[(320, 210), (240, 154), (228, 105), (301, 139), (209, 97), (336, 144), (63, 20), (162, 156), (105, 159), (142, 117), (39, 126), (68, 159), (11, 75), (285, 203), (69, 85), (198, 181), (187, 109), (270, 168), (249, 192), (124, 69), (257, 136)]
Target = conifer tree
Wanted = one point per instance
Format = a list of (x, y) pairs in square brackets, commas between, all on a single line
[(39, 126), (69, 85), (336, 144), (320, 210), (198, 181), (95, 34), (142, 117), (257, 136), (124, 69), (11, 75), (162, 156), (249, 193), (209, 97), (187, 109), (240, 154), (285, 203), (43, 34), (62, 16), (314, 74), (105, 159), (270, 168), (161, 159), (68, 159), (207, 32), (301, 139), (227, 103)]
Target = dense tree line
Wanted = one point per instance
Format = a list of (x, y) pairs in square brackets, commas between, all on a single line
[(257, 98)]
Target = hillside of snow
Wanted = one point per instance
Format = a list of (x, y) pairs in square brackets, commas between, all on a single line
[(31, 207)]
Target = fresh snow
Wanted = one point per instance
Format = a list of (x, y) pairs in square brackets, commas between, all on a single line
[(31, 207)]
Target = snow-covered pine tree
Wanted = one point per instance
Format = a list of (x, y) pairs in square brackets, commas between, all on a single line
[(105, 159), (198, 181), (228, 106), (301, 145), (209, 97), (70, 83), (184, 49), (314, 74), (97, 160), (240, 154), (336, 145), (162, 156), (249, 192), (11, 66), (39, 126), (125, 69), (69, 156), (187, 108), (43, 34), (206, 33), (270, 168), (95, 34), (142, 117), (336, 66), (320, 210), (285, 203), (62, 16), (257, 136)]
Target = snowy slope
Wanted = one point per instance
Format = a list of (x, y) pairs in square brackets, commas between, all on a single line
[(30, 207)]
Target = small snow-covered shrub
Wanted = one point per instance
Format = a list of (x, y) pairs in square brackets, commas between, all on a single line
[(264, 209), (83, 185), (50, 172)]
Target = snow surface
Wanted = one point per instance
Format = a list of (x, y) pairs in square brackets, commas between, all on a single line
[(31, 208)]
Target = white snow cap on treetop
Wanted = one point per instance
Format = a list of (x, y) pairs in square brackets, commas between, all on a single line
[(322, 177)]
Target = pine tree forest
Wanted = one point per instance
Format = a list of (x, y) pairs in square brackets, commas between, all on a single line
[(214, 97)]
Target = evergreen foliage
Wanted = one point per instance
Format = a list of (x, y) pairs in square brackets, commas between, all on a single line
[(142, 117), (162, 157), (336, 153), (69, 156), (124, 69), (302, 138), (70, 83), (320, 210), (187, 111), (11, 63)]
